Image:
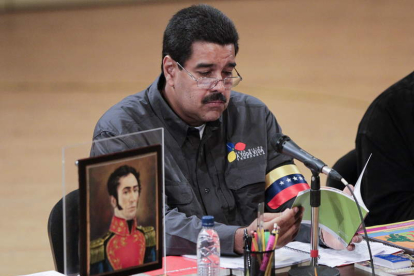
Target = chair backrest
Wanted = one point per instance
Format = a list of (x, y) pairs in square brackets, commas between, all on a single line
[(56, 234), (346, 166)]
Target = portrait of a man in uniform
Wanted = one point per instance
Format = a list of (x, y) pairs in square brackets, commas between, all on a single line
[(126, 243)]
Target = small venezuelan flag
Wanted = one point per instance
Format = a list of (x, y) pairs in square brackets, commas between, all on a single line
[(282, 184)]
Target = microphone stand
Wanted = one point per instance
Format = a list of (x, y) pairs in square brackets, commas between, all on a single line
[(313, 268)]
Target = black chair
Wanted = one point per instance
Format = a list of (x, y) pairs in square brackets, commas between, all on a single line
[(56, 233), (347, 167)]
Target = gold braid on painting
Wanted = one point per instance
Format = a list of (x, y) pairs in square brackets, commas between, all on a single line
[(149, 233), (97, 249)]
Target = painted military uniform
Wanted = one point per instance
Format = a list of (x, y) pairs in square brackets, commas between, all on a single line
[(121, 248)]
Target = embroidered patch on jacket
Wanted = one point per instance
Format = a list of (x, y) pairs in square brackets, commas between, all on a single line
[(239, 152), (282, 184)]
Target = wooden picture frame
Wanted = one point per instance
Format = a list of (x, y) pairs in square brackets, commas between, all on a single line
[(121, 211)]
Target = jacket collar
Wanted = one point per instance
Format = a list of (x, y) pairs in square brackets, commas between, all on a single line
[(119, 226), (173, 124)]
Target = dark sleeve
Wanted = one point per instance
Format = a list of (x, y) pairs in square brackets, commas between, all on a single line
[(274, 159), (387, 131), (111, 141), (110, 133), (304, 235), (346, 166), (102, 145)]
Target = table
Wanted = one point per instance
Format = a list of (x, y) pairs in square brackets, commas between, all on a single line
[(348, 270)]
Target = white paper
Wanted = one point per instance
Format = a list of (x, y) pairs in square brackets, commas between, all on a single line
[(46, 273), (332, 257), (357, 187), (283, 257)]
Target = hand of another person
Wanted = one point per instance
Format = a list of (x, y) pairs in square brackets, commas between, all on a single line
[(288, 222), (334, 243)]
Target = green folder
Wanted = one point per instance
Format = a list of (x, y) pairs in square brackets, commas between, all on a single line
[(338, 213)]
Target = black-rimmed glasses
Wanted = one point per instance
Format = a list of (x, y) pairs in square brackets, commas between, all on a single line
[(210, 83)]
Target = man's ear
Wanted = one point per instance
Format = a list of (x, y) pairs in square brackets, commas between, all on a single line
[(169, 67), (113, 201)]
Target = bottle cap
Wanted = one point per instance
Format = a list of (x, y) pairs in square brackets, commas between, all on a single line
[(207, 221)]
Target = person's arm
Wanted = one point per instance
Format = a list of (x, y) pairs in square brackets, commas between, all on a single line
[(101, 145), (281, 169), (182, 232)]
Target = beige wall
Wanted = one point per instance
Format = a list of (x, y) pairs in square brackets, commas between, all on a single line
[(20, 5), (317, 64)]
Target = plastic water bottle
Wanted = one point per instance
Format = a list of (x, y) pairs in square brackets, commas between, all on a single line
[(208, 249)]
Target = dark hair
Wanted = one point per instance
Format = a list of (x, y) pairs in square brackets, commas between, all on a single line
[(113, 181), (196, 23)]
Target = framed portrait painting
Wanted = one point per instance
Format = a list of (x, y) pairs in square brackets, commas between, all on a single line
[(121, 210)]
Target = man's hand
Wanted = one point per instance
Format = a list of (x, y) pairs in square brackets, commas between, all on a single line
[(332, 242), (288, 222)]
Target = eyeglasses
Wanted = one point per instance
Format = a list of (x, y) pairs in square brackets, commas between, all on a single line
[(210, 83)]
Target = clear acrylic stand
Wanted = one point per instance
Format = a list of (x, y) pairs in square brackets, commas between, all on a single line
[(70, 185)]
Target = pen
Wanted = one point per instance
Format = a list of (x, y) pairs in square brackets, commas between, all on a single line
[(260, 211), (275, 231), (258, 230), (269, 266), (254, 242), (266, 236), (269, 247), (247, 241), (266, 256)]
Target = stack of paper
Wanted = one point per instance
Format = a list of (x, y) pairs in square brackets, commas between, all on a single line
[(332, 257), (283, 257)]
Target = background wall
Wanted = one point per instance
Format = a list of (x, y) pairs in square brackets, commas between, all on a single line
[(17, 5), (316, 64)]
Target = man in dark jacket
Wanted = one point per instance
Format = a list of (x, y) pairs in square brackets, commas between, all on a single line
[(219, 144)]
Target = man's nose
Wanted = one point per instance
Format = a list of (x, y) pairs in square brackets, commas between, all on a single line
[(219, 86), (132, 197)]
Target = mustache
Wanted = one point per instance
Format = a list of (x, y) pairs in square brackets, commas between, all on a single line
[(214, 97)]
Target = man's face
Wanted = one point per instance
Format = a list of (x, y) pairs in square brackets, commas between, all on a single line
[(193, 104), (128, 196)]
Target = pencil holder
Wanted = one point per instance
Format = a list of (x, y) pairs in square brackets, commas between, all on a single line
[(259, 263)]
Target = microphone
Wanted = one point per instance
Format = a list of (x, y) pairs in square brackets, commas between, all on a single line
[(286, 146)]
